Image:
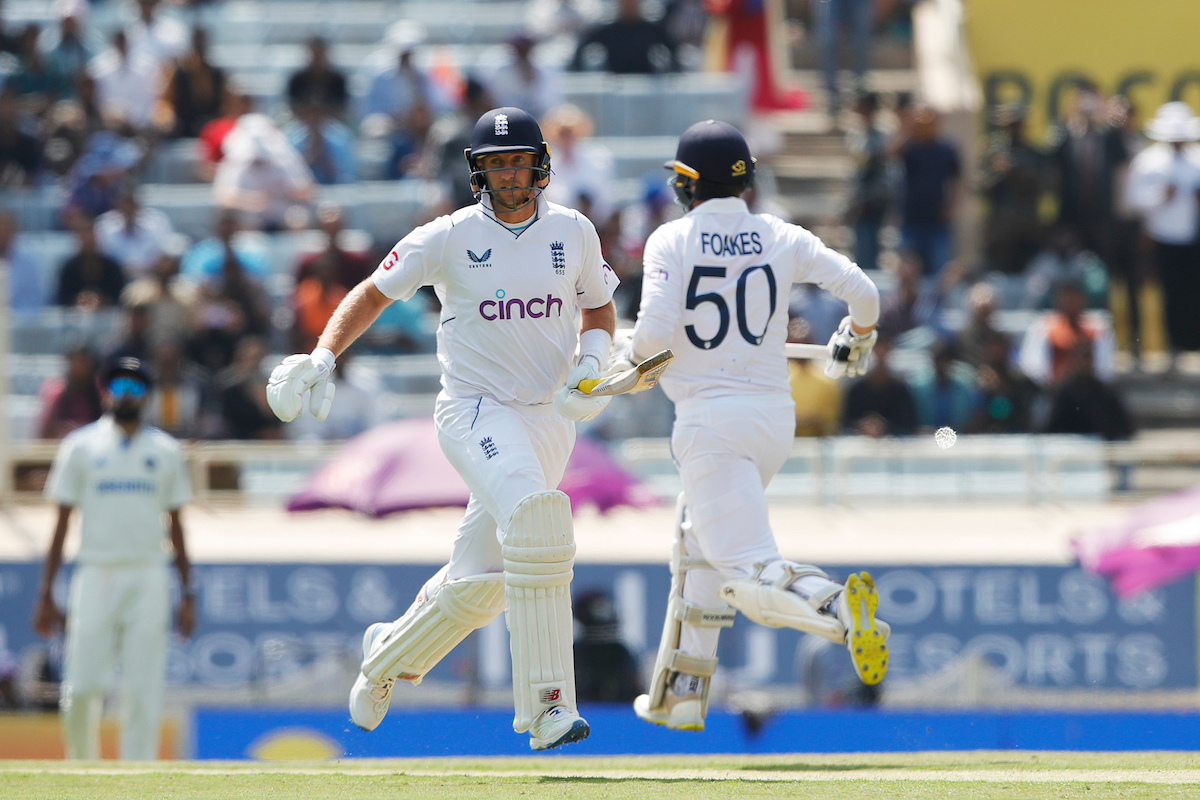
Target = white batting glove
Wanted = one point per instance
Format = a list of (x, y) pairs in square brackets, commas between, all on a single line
[(850, 351), (295, 376), (574, 404)]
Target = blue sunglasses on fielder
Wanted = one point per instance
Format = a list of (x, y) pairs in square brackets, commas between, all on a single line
[(130, 386)]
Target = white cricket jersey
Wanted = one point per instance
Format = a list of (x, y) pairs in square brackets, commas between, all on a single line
[(122, 488), (510, 302), (715, 290)]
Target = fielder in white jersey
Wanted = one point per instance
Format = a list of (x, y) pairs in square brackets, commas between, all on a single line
[(715, 291), (522, 284), (123, 477)]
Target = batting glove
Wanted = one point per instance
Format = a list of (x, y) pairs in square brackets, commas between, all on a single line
[(574, 404), (849, 351), (295, 376)]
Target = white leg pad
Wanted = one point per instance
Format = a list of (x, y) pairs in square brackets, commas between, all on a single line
[(433, 625), (670, 658), (774, 605), (539, 556)]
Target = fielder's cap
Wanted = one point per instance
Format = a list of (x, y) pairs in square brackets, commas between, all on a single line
[(128, 366), (713, 151), (505, 130)]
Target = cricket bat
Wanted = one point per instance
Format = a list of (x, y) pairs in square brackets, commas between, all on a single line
[(798, 350), (637, 379)]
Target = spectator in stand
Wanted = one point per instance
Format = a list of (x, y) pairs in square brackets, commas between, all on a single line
[(73, 400), (880, 404), (605, 669), (243, 395), (1125, 268), (28, 287), (128, 84), (400, 106), (1085, 404), (1046, 350), (211, 147), (1063, 260), (1089, 157), (203, 263), (752, 41), (448, 138), (932, 187), (133, 235), (20, 153), (820, 309), (319, 83), (66, 53), (195, 91), (89, 279), (1007, 397), (172, 299), (38, 85), (979, 327), (156, 38), (360, 388), (521, 83), (1164, 182), (174, 403), (872, 191), (137, 340), (629, 45), (831, 17), (583, 169), (914, 302), (818, 397), (946, 395), (325, 144), (98, 177), (1015, 181), (262, 178), (323, 279)]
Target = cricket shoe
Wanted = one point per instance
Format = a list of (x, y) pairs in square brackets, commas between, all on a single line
[(555, 727), (369, 701), (682, 708), (866, 637)]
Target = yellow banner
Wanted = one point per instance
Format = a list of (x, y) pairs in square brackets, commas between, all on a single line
[(1035, 51)]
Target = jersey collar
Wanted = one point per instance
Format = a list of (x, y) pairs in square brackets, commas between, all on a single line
[(541, 203), (722, 205)]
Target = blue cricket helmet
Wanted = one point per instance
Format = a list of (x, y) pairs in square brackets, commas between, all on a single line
[(507, 130), (714, 152)]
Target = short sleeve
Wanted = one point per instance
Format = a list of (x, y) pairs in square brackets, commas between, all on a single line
[(413, 262), (177, 492), (65, 485), (596, 281)]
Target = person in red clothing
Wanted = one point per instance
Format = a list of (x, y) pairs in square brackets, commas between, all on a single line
[(73, 400), (212, 135), (324, 278), (749, 27)]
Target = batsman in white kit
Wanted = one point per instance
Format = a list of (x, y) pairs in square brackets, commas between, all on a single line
[(522, 285), (129, 482), (715, 291)]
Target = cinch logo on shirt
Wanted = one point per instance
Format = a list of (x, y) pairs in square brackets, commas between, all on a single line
[(125, 487), (516, 308)]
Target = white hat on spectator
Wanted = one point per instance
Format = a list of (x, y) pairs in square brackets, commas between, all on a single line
[(405, 34), (64, 9), (1174, 122)]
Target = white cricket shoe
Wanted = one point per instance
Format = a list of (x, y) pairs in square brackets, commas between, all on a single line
[(557, 726), (369, 701), (682, 707), (866, 637)]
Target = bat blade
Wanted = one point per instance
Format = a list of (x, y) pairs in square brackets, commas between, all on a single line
[(637, 379)]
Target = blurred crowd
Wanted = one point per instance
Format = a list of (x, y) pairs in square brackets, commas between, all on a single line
[(1092, 233)]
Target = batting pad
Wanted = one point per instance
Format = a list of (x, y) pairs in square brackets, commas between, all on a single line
[(433, 626), (539, 553)]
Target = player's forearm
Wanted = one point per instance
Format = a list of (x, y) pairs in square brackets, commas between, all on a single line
[(54, 554), (357, 311), (182, 565)]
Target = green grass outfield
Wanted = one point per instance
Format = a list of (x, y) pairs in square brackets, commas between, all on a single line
[(875, 776)]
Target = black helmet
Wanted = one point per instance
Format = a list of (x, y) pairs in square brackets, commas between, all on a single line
[(129, 366), (713, 152), (506, 130)]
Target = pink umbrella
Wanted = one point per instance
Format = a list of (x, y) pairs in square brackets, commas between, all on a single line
[(399, 466), (1156, 543)]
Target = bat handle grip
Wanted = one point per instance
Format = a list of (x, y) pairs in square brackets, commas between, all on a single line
[(587, 384)]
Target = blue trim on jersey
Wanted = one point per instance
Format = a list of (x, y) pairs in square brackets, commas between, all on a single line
[(476, 417)]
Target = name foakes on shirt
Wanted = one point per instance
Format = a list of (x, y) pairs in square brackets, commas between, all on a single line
[(738, 244)]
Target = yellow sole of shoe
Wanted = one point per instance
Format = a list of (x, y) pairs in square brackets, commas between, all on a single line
[(868, 647)]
